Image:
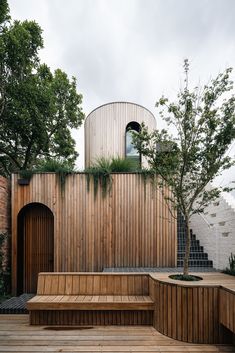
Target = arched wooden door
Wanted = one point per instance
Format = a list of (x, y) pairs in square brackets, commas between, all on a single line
[(35, 245)]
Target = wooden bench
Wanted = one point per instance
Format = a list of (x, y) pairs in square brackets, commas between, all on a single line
[(91, 299)]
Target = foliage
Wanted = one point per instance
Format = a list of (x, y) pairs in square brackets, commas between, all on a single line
[(37, 107), (101, 171), (100, 177), (147, 174), (55, 166), (4, 272), (122, 165), (115, 165), (204, 121), (26, 174), (232, 262), (231, 269), (60, 167)]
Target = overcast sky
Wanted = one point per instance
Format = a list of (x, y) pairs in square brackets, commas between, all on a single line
[(133, 50)]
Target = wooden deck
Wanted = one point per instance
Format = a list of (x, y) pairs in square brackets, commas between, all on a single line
[(16, 335)]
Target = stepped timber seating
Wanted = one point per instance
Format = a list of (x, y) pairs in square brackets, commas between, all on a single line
[(91, 299)]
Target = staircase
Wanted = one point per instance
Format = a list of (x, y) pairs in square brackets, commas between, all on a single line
[(198, 258)]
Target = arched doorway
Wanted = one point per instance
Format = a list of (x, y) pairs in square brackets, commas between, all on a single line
[(35, 245)]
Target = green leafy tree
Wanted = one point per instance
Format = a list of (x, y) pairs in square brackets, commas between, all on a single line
[(37, 107), (203, 121)]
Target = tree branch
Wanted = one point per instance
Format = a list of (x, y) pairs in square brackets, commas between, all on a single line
[(14, 160)]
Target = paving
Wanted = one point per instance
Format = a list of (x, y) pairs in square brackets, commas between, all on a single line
[(15, 305)]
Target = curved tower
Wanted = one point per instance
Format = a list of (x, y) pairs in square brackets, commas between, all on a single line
[(107, 130)]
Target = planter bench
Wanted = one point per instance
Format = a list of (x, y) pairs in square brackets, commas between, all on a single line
[(91, 299)]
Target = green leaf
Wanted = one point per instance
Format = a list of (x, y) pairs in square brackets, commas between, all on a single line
[(38, 108)]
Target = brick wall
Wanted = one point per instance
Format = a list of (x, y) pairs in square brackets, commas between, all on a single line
[(4, 205), (5, 219), (216, 230)]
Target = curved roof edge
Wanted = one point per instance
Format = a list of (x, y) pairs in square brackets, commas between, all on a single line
[(102, 105)]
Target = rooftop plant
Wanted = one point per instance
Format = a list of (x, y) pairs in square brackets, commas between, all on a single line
[(100, 171), (60, 167), (54, 166)]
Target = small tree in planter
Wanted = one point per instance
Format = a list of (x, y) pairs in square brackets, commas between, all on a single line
[(204, 122)]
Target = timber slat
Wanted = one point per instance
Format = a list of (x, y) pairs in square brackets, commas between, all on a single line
[(130, 227), (68, 302), (195, 312), (91, 299)]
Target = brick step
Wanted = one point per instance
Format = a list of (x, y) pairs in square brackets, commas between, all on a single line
[(194, 243), (196, 263), (181, 225), (192, 248), (194, 256), (183, 230), (198, 258), (180, 239), (183, 236)]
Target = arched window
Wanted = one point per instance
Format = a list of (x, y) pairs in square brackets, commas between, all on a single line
[(131, 151)]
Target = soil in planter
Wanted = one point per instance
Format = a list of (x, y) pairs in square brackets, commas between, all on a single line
[(181, 277), (23, 181)]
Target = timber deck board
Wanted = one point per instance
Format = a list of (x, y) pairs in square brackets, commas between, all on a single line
[(16, 335)]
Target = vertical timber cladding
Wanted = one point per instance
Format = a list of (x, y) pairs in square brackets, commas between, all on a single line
[(105, 129), (227, 308), (188, 313), (132, 226)]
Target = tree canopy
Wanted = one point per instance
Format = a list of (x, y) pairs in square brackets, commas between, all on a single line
[(38, 108), (203, 120)]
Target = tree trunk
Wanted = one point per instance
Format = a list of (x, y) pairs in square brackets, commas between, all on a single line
[(187, 246)]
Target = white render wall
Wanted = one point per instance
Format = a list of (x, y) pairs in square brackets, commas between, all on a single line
[(216, 230)]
